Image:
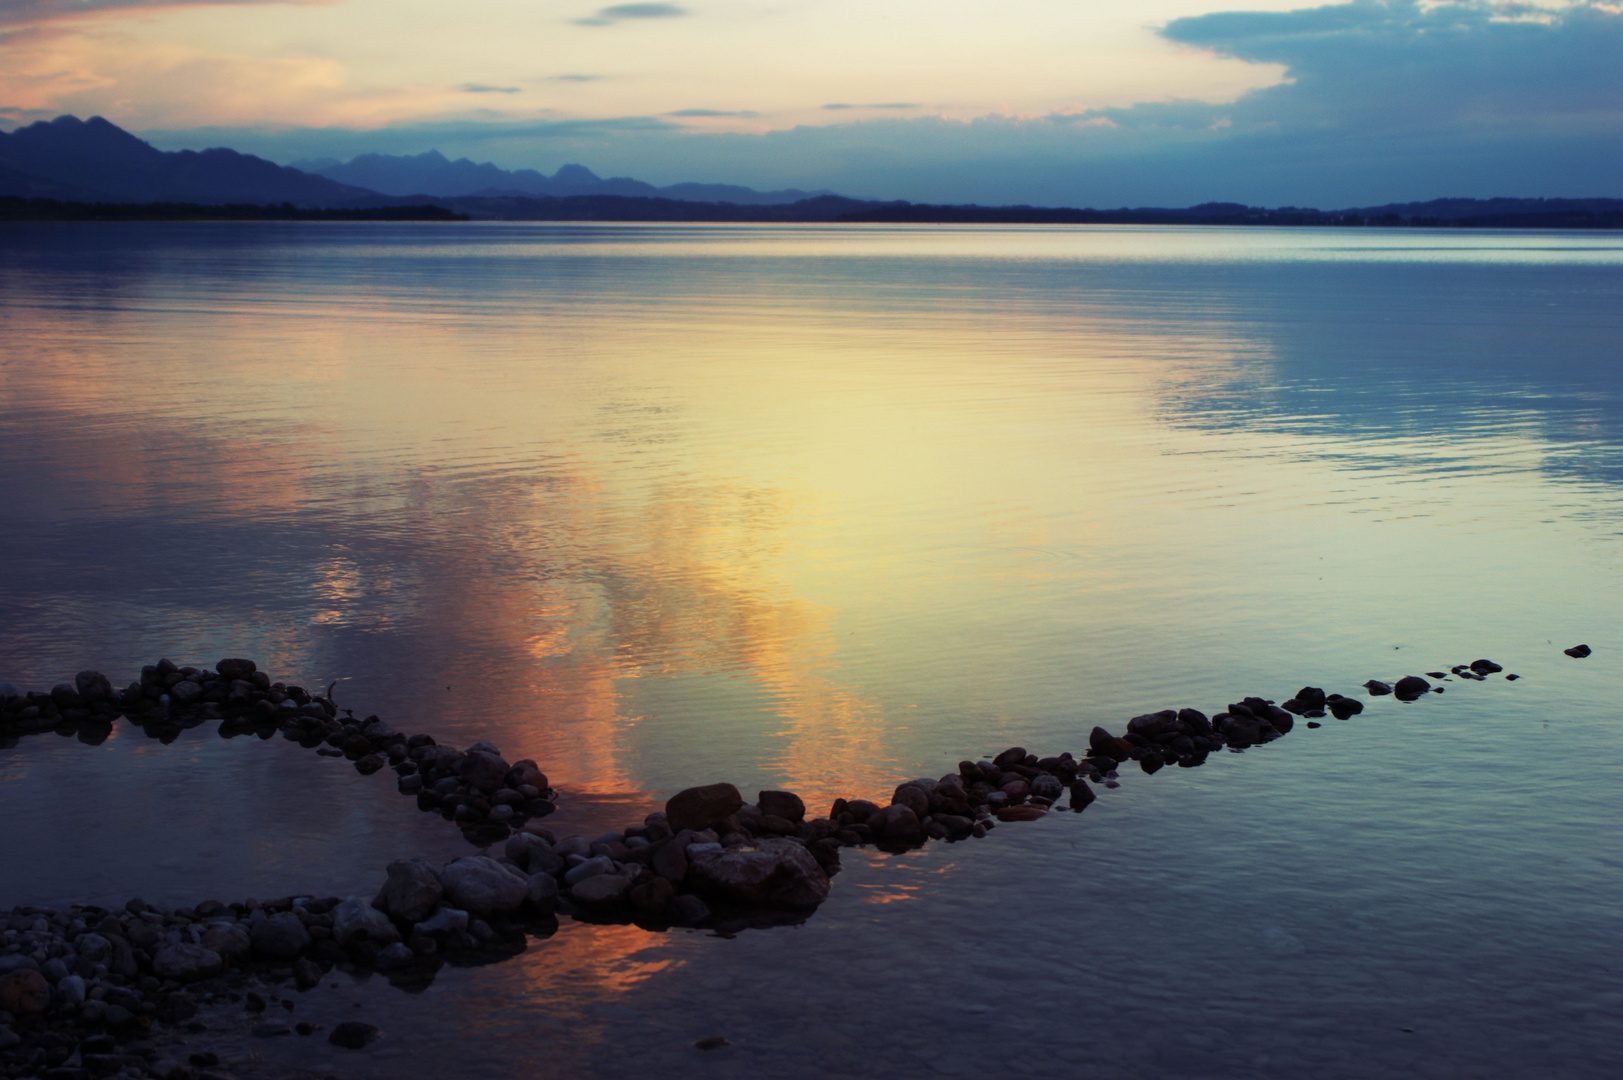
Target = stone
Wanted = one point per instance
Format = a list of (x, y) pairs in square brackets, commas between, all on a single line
[(411, 892), (542, 893), (1410, 687), (1082, 794), (271, 1029), (1377, 688), (443, 921), (54, 971), (185, 692), (1014, 755), (393, 957), (482, 886), (236, 668), (71, 989), (783, 804), (1341, 707), (353, 1034), (773, 873), (483, 771), (367, 764), (93, 686), (355, 918), (1485, 667), (1577, 652), (280, 937), (24, 993), (601, 890), (895, 822), (914, 797), (653, 896), (1104, 744), (592, 867), (307, 973), (687, 910), (186, 963), (525, 773), (670, 859), (93, 947), (1028, 812), (701, 807), (1150, 725), (533, 853)]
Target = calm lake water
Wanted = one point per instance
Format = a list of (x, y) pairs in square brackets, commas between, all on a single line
[(828, 508)]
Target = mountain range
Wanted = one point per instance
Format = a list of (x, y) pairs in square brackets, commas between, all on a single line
[(435, 175), (94, 160), (75, 169)]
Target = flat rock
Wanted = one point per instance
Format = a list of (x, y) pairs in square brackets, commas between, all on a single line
[(601, 891), (1577, 652), (1377, 688), (770, 873), (1026, 812), (186, 963), (701, 807), (482, 886), (1485, 667)]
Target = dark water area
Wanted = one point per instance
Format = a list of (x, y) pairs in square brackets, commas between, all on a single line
[(825, 509)]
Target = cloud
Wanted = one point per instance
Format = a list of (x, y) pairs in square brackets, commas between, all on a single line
[(712, 112), (610, 15), (875, 105), (481, 88), (574, 78), (1382, 101), (38, 12)]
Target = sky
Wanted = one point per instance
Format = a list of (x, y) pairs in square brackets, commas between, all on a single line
[(1057, 102)]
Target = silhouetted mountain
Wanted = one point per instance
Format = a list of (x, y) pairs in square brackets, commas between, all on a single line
[(22, 185), (434, 174), (99, 159)]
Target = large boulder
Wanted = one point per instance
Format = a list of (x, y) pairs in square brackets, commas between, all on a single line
[(185, 962), (280, 937), (601, 891), (356, 918), (236, 668), (411, 892), (701, 807), (482, 886), (783, 804), (913, 796), (767, 873)]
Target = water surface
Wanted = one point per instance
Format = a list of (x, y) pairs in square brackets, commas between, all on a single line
[(826, 508)]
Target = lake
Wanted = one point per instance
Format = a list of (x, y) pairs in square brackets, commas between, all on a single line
[(827, 508)]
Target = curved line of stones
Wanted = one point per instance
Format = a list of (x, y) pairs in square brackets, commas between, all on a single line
[(91, 981)]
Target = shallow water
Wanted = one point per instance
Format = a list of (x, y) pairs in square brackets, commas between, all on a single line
[(827, 508)]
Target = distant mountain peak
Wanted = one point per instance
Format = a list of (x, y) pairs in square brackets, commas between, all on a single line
[(104, 161), (575, 174)]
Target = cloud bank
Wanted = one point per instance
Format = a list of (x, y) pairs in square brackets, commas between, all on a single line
[(1382, 100)]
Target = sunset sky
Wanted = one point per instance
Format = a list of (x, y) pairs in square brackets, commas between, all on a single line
[(1051, 101)]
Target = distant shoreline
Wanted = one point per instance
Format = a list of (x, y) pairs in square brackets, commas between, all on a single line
[(819, 210)]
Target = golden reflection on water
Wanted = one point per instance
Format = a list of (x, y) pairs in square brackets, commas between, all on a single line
[(686, 511)]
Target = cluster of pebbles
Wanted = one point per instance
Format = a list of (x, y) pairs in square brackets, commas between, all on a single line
[(80, 990)]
